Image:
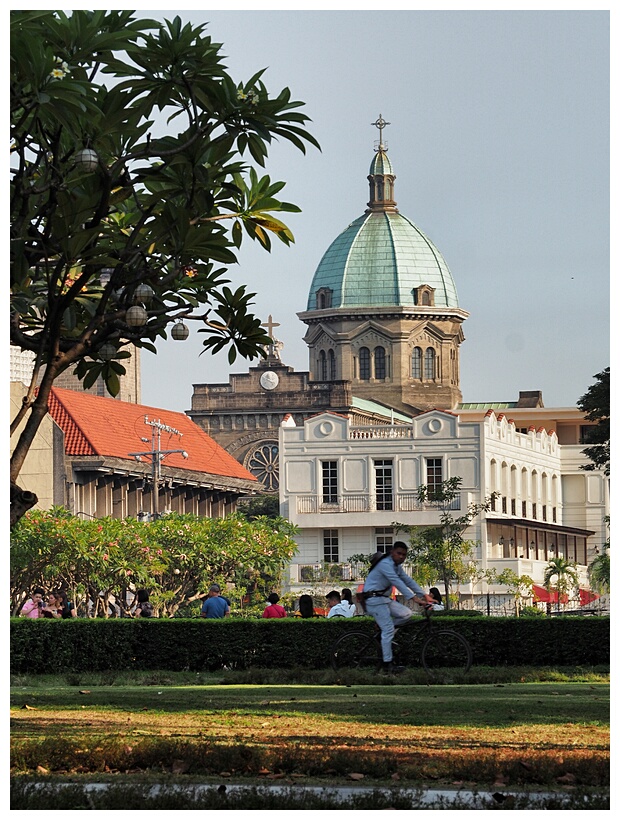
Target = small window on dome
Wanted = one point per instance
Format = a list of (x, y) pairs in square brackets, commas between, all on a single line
[(425, 296), (324, 298)]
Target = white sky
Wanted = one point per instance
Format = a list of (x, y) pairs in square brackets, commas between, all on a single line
[(499, 139)]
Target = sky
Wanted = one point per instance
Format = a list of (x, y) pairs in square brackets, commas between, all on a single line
[(499, 139)]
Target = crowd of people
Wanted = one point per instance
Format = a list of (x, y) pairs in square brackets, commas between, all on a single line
[(53, 605), (375, 598), (56, 604)]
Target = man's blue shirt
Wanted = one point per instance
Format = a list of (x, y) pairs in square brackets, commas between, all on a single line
[(387, 574), (214, 607)]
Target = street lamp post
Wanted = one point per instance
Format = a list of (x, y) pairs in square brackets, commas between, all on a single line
[(157, 456)]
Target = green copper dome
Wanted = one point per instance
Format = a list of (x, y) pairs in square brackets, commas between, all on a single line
[(380, 260), (380, 163)]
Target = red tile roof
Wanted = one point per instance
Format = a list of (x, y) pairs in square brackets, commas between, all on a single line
[(94, 425)]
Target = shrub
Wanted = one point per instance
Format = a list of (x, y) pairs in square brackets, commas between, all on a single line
[(80, 645)]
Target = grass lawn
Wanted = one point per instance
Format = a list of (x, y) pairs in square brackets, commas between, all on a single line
[(552, 735)]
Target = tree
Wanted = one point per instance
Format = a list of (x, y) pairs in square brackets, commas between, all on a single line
[(519, 586), (258, 506), (117, 233), (442, 549), (176, 558), (566, 574), (599, 570), (595, 403)]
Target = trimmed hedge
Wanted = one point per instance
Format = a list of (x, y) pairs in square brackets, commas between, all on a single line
[(197, 644)]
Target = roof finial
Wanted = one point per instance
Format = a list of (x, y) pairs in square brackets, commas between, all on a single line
[(380, 124)]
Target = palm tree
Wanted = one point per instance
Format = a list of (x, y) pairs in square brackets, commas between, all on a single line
[(566, 574)]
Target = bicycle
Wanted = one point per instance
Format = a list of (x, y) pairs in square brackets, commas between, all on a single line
[(442, 650)]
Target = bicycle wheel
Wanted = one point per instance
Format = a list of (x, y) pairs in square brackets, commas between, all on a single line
[(446, 652), (355, 650)]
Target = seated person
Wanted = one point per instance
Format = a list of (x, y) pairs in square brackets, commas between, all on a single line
[(34, 604), (306, 606), (436, 596), (215, 605), (338, 608), (346, 596), (274, 610)]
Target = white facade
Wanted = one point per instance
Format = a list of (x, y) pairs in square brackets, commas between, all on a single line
[(346, 486)]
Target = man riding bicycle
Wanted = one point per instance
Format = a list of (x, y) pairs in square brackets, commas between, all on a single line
[(386, 573)]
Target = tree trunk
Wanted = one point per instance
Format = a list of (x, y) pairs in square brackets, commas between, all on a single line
[(21, 502)]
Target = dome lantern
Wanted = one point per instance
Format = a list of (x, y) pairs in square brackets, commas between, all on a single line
[(381, 176)]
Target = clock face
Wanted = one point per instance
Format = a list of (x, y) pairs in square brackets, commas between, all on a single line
[(269, 380)]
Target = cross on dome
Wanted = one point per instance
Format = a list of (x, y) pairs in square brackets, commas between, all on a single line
[(380, 123)]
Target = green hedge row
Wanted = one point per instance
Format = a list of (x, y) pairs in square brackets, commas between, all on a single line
[(196, 644)]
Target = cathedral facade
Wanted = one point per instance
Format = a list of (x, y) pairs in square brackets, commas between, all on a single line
[(384, 329)]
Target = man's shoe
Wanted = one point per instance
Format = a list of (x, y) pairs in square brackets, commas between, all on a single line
[(390, 668)]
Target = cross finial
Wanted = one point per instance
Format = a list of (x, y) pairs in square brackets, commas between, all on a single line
[(380, 124), (270, 324)]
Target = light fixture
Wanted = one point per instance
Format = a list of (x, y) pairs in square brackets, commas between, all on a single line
[(136, 316), (87, 160), (180, 331), (143, 293), (106, 352), (105, 275), (532, 545), (501, 540), (511, 543)]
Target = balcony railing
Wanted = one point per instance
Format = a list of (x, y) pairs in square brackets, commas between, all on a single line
[(318, 574), (381, 431), (399, 502)]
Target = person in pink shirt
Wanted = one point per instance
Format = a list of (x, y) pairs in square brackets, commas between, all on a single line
[(274, 610), (33, 606)]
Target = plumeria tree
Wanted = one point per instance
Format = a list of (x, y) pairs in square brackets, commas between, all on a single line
[(101, 563), (120, 228)]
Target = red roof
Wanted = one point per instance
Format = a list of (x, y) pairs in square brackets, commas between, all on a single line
[(98, 426)]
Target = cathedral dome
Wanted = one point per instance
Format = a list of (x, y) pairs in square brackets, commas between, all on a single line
[(381, 259)]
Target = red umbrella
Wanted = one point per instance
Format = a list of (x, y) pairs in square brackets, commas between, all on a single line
[(548, 597), (586, 596)]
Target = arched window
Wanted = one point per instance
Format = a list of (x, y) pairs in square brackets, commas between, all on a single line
[(364, 363), (332, 365), (416, 363), (324, 298), (379, 363), (322, 366), (426, 298), (429, 363)]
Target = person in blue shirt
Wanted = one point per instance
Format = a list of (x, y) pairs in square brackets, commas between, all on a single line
[(386, 573), (215, 606)]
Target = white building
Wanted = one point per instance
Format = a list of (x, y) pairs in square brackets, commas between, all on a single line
[(384, 317), (346, 487)]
